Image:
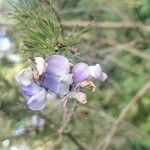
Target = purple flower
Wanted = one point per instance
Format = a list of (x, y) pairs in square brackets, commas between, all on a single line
[(38, 97), (56, 77), (82, 72), (53, 78), (57, 65)]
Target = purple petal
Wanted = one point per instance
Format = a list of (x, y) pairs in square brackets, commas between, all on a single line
[(80, 72), (57, 64), (38, 101), (31, 89), (57, 84), (50, 82)]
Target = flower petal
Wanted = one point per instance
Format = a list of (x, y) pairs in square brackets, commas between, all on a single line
[(50, 82), (57, 64), (67, 78), (103, 76), (97, 73), (79, 96), (41, 65), (24, 77), (58, 85), (38, 101), (80, 72), (31, 89), (63, 88)]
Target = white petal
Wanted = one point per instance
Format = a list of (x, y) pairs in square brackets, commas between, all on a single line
[(67, 78), (103, 76), (63, 88), (51, 95), (79, 96), (24, 77), (41, 65), (64, 84), (95, 71), (38, 101)]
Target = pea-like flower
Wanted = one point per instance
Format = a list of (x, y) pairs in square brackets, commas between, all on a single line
[(55, 79), (82, 72), (35, 94)]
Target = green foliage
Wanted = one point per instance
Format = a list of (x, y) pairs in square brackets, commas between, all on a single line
[(41, 28)]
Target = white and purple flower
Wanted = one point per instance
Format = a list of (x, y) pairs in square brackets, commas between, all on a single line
[(55, 79)]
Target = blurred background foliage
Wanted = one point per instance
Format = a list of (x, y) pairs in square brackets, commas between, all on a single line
[(116, 35)]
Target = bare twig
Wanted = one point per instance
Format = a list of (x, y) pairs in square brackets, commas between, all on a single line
[(138, 53), (74, 140), (128, 47), (67, 119), (108, 139), (108, 25), (53, 126), (125, 45)]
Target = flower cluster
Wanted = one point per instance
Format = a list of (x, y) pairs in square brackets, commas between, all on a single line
[(55, 78)]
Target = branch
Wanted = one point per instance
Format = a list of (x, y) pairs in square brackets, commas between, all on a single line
[(108, 139), (67, 134), (68, 119), (74, 140), (53, 126), (108, 25), (128, 47)]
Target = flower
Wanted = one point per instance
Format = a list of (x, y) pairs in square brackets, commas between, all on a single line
[(35, 94), (57, 77), (54, 78), (82, 72)]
